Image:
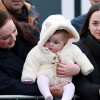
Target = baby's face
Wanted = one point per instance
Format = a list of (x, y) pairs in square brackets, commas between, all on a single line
[(55, 43)]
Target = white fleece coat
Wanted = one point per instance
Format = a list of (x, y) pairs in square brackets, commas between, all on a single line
[(41, 61)]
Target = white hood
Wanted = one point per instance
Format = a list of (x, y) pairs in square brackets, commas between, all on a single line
[(53, 23)]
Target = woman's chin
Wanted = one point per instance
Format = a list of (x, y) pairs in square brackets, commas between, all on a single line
[(11, 45)]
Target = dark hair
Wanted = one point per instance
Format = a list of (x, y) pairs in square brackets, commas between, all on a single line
[(64, 32), (94, 8), (24, 30), (3, 18)]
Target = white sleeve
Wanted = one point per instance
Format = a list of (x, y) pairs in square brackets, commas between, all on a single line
[(30, 68), (84, 63)]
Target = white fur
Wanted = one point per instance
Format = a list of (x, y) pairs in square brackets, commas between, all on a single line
[(40, 59)]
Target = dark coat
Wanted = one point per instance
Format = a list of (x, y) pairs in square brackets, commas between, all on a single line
[(87, 87), (78, 22), (11, 64)]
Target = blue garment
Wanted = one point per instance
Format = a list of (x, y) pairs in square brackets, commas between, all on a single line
[(78, 22)]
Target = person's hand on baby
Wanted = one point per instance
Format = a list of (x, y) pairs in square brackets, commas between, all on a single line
[(64, 69)]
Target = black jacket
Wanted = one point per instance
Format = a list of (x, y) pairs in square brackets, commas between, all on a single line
[(11, 64), (87, 87)]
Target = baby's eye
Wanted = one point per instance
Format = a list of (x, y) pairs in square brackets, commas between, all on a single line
[(56, 42)]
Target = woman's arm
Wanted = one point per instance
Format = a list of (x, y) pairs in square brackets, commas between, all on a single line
[(13, 86)]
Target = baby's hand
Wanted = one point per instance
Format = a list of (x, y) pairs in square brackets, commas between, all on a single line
[(27, 81)]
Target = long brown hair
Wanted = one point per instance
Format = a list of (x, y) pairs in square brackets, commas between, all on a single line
[(24, 30), (94, 8)]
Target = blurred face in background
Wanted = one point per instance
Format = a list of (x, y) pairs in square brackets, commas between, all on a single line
[(94, 1), (14, 5), (94, 25)]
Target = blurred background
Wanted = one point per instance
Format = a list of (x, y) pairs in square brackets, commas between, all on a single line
[(68, 8)]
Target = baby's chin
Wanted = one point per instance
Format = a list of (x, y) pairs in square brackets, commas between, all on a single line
[(52, 50)]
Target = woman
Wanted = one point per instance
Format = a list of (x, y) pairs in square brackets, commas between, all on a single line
[(16, 39), (15, 42), (88, 88)]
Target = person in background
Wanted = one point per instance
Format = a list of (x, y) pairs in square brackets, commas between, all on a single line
[(88, 88), (22, 11), (55, 46), (78, 21)]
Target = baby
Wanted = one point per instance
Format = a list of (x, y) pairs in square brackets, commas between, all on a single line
[(55, 45)]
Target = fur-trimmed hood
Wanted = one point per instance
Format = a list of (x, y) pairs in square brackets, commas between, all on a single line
[(53, 23), (41, 61)]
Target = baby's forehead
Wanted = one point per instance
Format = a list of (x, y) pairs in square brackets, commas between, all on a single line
[(59, 36), (61, 31)]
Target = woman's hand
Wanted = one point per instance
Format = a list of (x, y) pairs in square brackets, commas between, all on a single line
[(66, 69), (57, 90)]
